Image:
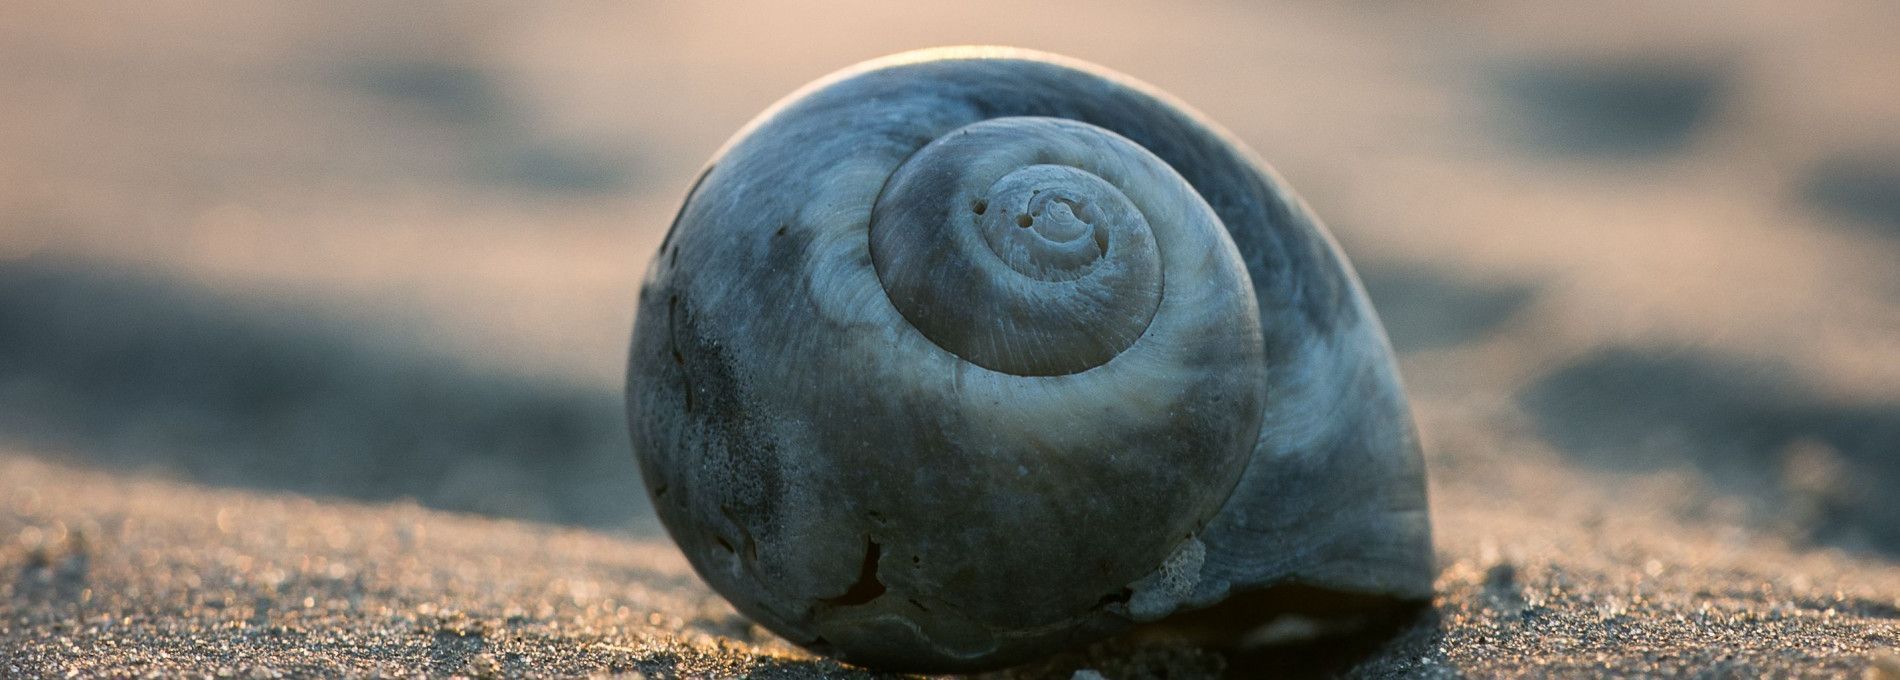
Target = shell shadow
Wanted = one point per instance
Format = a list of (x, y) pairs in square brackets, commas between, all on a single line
[(1287, 631), (1617, 108), (1408, 635), (1819, 466), (138, 372)]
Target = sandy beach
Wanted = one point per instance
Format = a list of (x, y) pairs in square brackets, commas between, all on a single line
[(313, 323)]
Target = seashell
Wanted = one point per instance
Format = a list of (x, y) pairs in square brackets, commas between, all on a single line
[(959, 357)]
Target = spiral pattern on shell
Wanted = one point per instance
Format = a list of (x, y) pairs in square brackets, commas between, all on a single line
[(1011, 243), (955, 358)]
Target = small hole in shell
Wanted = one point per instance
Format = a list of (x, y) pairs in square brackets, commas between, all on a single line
[(979, 206), (1024, 220), (868, 587)]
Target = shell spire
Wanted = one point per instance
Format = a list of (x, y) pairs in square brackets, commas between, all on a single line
[(1010, 243)]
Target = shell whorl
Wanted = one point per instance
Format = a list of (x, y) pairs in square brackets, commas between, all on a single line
[(1024, 245)]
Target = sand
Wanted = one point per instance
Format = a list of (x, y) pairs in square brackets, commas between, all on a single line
[(130, 576)]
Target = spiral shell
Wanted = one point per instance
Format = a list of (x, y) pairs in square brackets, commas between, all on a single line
[(958, 357)]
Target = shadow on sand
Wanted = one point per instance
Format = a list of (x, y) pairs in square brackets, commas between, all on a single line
[(505, 145), (1427, 309), (1819, 466), (137, 372), (1624, 109), (1864, 188)]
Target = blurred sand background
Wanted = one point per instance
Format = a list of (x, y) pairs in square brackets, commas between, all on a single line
[(312, 318)]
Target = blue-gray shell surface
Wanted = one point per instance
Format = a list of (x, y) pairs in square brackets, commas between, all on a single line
[(960, 357)]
